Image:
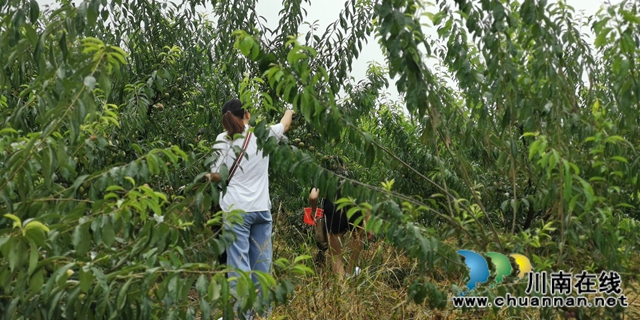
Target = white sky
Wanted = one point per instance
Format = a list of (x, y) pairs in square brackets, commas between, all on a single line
[(327, 11)]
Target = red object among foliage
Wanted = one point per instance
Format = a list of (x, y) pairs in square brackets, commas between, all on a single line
[(307, 215)]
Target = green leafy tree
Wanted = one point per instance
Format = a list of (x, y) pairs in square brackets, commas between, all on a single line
[(110, 110)]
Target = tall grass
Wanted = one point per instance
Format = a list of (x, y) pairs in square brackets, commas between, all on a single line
[(379, 292)]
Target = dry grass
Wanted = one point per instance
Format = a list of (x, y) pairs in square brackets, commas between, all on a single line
[(380, 292)]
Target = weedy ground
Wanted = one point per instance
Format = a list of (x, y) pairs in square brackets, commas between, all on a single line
[(380, 291)]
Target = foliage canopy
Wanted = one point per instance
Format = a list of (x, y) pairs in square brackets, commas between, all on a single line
[(109, 108)]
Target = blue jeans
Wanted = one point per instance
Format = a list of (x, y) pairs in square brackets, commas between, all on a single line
[(252, 250)]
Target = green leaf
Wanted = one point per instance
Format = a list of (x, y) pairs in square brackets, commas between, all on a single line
[(17, 222), (63, 46), (108, 234), (17, 255), (82, 239), (370, 153), (602, 37), (201, 285), (34, 11), (514, 148), (573, 202), (105, 83), (614, 139), (114, 188), (245, 45), (533, 148), (629, 16), (627, 44), (352, 211), (8, 131), (122, 295), (224, 289), (36, 281), (255, 51), (301, 258), (18, 18), (567, 181), (3, 241), (101, 279), (620, 159), (78, 182), (36, 225), (213, 292), (33, 257), (92, 12), (59, 275), (86, 280)]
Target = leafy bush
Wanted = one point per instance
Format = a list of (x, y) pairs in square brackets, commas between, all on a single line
[(110, 110)]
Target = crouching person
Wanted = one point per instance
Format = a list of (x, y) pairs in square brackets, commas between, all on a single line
[(338, 225)]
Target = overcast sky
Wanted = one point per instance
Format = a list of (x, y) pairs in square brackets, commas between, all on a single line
[(327, 11)]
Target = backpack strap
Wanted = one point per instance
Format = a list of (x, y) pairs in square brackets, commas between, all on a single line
[(236, 163)]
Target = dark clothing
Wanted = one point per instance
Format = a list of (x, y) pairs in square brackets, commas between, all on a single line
[(337, 222)]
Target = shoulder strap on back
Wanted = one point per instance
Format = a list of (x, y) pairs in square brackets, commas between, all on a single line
[(236, 163)]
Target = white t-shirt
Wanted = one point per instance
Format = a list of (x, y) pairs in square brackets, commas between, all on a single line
[(249, 186)]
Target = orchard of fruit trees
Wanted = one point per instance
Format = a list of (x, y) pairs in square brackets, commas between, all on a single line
[(109, 110)]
